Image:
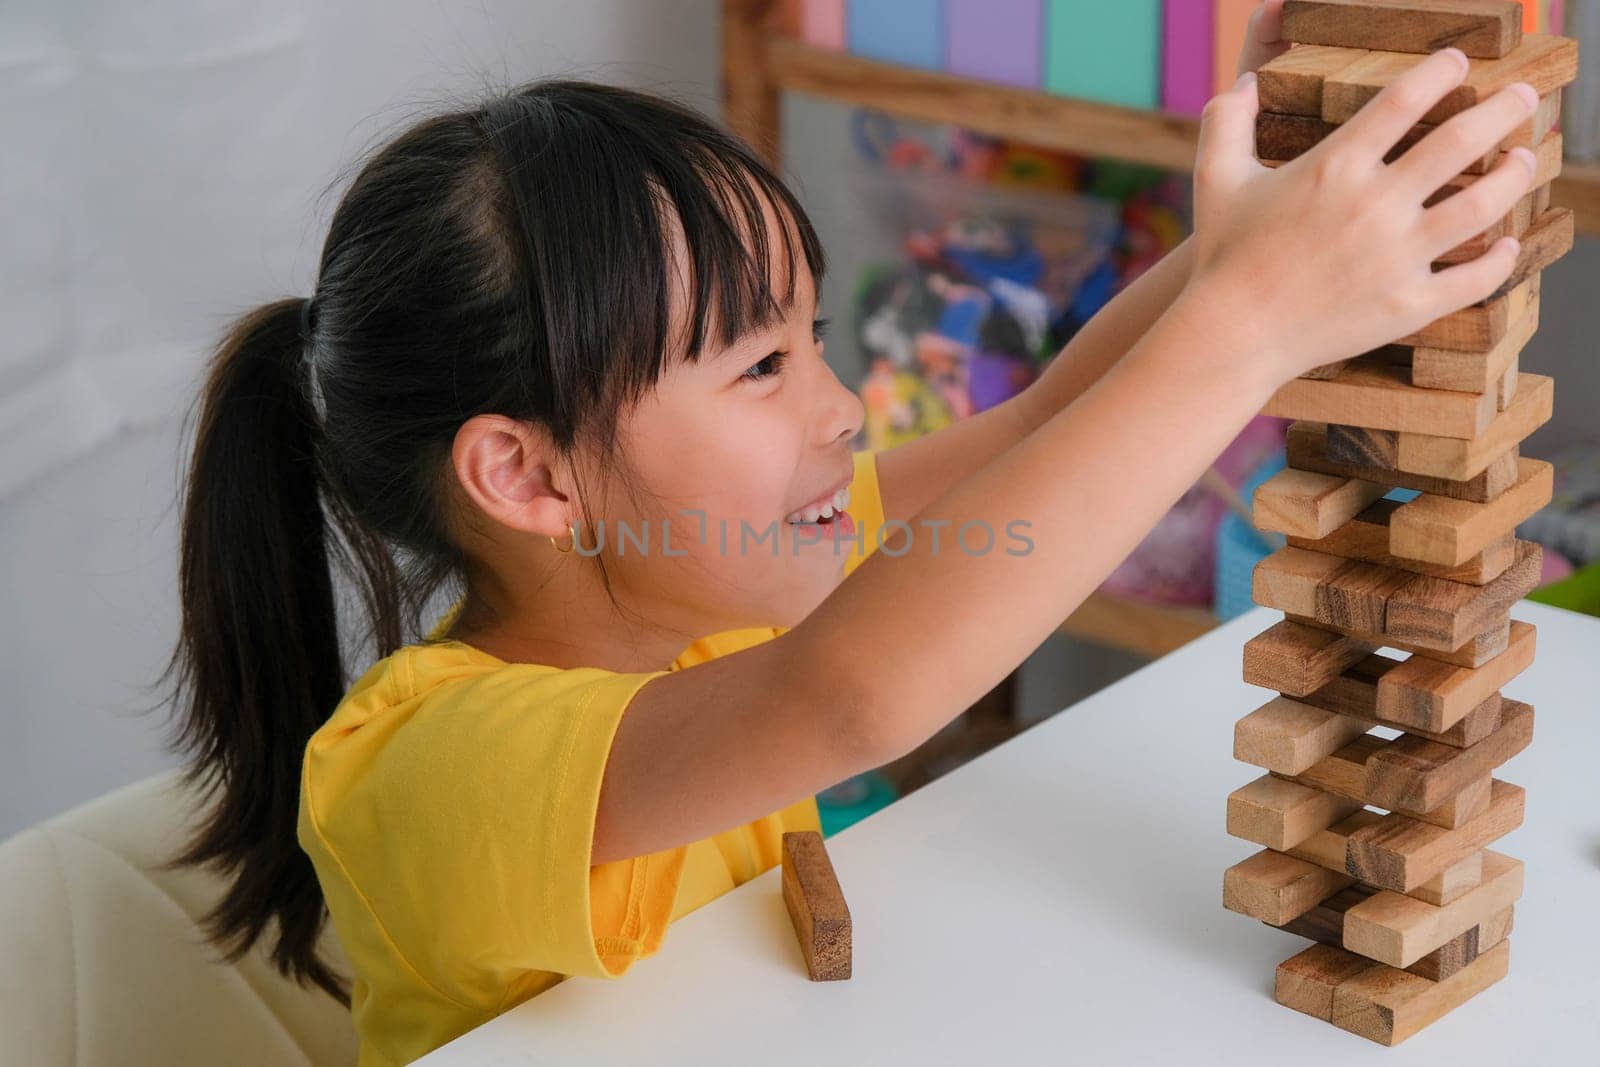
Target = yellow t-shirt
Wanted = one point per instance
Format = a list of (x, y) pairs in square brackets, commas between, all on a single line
[(448, 805)]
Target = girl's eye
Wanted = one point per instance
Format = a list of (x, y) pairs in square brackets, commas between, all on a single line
[(773, 363), (767, 367)]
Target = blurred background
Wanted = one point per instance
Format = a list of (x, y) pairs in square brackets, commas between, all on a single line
[(982, 182)]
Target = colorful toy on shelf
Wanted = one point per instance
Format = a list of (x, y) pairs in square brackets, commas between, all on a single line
[(1376, 845)]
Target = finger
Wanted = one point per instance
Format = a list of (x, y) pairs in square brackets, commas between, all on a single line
[(1268, 22), (1477, 207), (1226, 149), (1450, 149), (1400, 105), (1477, 279)]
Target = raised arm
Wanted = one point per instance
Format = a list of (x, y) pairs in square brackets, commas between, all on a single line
[(1321, 259)]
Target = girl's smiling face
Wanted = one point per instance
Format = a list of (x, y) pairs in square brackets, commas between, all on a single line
[(728, 451)]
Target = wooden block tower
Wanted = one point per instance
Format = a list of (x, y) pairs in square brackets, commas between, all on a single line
[(1376, 842)]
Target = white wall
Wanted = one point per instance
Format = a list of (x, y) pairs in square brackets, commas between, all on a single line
[(161, 173)]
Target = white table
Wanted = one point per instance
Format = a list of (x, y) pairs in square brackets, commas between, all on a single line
[(1060, 899)]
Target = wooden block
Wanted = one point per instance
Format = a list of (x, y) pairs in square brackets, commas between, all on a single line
[(816, 906), (1287, 736), (1306, 980), (1506, 390), (1388, 1005), (1308, 449), (1345, 773), (1454, 882), (1292, 82), (1381, 396), (1450, 532), (1475, 328), (1282, 136), (1399, 930), (1327, 848), (1428, 612), (1419, 774), (1399, 853), (1354, 692), (1474, 653), (1549, 237), (1544, 61), (1276, 888), (1288, 580), (1451, 457), (1474, 372), (1281, 814), (1437, 613), (1486, 29), (1366, 537), (1309, 504), (1423, 693), (1356, 596), (1296, 660), (1325, 924)]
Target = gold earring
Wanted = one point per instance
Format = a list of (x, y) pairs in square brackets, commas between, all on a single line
[(573, 543)]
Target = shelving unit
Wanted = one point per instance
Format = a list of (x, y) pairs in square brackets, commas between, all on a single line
[(761, 64)]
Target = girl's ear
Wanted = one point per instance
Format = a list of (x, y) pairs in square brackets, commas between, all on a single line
[(508, 470)]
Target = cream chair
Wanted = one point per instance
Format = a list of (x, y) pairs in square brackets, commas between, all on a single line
[(102, 960)]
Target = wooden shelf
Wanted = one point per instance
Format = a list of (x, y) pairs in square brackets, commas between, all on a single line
[(1156, 138)]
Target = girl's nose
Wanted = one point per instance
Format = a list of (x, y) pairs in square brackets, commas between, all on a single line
[(841, 412)]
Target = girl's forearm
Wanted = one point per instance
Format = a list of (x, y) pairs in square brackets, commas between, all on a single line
[(1109, 334), (1089, 483)]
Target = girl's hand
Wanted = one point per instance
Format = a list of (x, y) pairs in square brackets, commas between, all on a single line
[(1330, 255), (1263, 36)]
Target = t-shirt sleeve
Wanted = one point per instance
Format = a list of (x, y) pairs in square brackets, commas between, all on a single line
[(866, 508), (470, 826)]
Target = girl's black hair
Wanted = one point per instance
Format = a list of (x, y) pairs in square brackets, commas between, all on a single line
[(514, 258)]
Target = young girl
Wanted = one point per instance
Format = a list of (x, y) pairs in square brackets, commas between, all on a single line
[(564, 355)]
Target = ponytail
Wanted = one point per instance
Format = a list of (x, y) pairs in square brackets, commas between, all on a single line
[(258, 651)]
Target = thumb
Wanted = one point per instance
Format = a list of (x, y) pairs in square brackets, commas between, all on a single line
[(1226, 152)]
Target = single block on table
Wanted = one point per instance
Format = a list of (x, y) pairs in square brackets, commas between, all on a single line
[(816, 906)]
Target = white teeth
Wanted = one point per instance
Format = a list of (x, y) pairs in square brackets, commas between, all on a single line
[(827, 509)]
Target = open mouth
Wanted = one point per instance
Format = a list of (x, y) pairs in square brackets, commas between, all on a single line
[(825, 511)]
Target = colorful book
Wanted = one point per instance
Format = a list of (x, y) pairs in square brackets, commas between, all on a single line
[(996, 40), (908, 32), (1110, 52), (1186, 56)]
